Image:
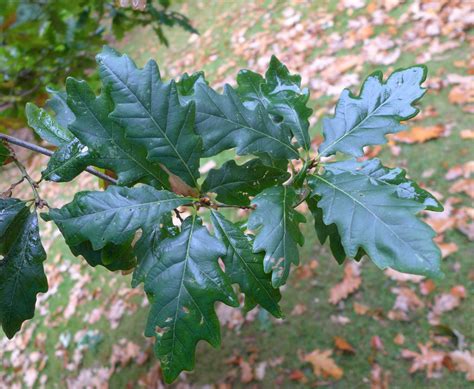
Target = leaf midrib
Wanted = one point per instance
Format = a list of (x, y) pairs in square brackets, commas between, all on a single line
[(224, 117), (356, 127), (163, 133), (370, 211)]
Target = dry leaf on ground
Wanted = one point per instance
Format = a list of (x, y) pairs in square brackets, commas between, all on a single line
[(323, 364), (427, 359), (419, 134), (350, 283)]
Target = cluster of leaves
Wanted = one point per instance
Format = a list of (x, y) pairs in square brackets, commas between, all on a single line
[(153, 134), (43, 41)]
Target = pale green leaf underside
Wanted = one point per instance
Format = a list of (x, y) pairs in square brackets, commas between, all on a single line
[(366, 119), (373, 218)]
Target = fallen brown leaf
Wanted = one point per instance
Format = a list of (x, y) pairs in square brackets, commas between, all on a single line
[(428, 359), (350, 283), (323, 364), (446, 302), (420, 134), (343, 345), (464, 362)]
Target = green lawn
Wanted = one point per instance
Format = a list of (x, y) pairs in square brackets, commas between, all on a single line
[(264, 340)]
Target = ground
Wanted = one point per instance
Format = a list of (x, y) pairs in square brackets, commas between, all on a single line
[(89, 328)]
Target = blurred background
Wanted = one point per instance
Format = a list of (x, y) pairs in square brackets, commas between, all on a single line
[(351, 326)]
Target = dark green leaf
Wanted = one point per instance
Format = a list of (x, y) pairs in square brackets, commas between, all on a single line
[(107, 140), (68, 162), (366, 119), (244, 267), (147, 246), (183, 287), (46, 127), (396, 177), (112, 216), (4, 153), (21, 269), (224, 123), (112, 257), (323, 231), (152, 115), (373, 218), (235, 183), (281, 94), (279, 236)]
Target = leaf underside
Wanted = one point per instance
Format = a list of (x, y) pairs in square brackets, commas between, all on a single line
[(373, 218)]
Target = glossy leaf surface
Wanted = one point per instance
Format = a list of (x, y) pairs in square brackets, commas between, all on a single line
[(281, 94), (21, 269), (245, 267), (112, 216), (279, 235), (235, 183), (152, 115), (183, 287)]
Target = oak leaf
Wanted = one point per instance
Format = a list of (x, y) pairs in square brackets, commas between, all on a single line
[(323, 364)]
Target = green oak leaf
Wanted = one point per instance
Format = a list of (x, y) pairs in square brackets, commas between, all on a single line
[(366, 119), (22, 275), (224, 123), (183, 287), (46, 126), (4, 153), (112, 216), (235, 183), (112, 257), (152, 115), (279, 236), (326, 231), (68, 162), (381, 175), (281, 94), (146, 248), (112, 150), (245, 267), (58, 103), (373, 218)]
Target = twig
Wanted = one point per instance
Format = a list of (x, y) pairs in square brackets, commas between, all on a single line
[(49, 153), (39, 202)]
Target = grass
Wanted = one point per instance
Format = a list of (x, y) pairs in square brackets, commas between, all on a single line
[(314, 329)]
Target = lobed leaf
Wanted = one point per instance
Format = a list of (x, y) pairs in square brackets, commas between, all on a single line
[(372, 217), (279, 236), (245, 267), (46, 126), (21, 269), (107, 140), (112, 216), (235, 183), (366, 119), (281, 94), (152, 115), (395, 177), (183, 287)]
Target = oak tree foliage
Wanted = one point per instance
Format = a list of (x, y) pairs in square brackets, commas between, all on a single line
[(171, 225)]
